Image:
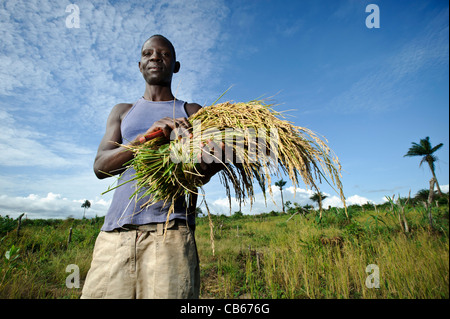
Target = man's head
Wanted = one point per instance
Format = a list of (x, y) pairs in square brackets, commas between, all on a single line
[(158, 61)]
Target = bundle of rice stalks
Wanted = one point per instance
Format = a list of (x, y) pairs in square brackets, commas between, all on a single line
[(252, 142)]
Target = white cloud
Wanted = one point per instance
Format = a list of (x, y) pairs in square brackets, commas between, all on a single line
[(333, 201), (58, 85), (50, 206), (22, 146), (357, 200), (74, 186), (61, 82), (221, 205), (99, 60)]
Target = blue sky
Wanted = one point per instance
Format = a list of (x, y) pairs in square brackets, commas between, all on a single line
[(369, 92)]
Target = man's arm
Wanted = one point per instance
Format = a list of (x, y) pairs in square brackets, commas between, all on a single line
[(110, 156)]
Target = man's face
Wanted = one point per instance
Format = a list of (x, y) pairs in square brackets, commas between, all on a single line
[(157, 63)]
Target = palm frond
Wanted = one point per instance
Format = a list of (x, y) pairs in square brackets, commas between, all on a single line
[(434, 149)]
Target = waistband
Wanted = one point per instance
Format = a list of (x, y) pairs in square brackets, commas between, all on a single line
[(173, 224)]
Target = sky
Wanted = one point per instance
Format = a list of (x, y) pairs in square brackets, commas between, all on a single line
[(370, 92)]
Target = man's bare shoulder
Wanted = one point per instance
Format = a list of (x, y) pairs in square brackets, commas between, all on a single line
[(192, 108), (120, 110)]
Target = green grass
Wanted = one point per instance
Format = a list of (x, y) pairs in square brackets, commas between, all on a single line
[(262, 256), (40, 268), (269, 257)]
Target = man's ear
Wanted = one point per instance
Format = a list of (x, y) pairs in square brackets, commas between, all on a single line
[(139, 64), (177, 67)]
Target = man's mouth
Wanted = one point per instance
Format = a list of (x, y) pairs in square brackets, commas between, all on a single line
[(155, 68)]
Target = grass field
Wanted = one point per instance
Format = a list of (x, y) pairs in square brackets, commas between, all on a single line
[(270, 255)]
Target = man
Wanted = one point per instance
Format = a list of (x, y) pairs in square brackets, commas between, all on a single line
[(131, 258)]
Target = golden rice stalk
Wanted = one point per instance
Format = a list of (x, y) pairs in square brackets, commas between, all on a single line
[(261, 143)]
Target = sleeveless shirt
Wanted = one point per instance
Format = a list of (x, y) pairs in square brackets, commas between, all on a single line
[(126, 208)]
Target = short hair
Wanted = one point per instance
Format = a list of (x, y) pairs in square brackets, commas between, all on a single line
[(167, 40)]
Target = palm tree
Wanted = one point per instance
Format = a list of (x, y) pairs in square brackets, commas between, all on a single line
[(280, 184), (85, 205), (424, 149), (422, 195), (318, 197)]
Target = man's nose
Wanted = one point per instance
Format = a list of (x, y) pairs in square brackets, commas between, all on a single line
[(155, 57)]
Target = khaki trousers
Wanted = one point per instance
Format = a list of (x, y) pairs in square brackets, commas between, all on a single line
[(141, 263)]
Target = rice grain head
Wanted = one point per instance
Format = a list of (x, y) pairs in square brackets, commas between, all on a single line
[(262, 144)]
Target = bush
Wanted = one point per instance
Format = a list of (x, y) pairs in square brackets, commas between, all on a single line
[(7, 224), (237, 215), (273, 213)]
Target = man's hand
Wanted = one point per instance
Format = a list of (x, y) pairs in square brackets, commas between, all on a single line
[(211, 159), (180, 126)]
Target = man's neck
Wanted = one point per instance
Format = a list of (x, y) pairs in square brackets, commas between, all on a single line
[(157, 93)]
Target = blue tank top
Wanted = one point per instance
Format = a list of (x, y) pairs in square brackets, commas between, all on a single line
[(125, 208)]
